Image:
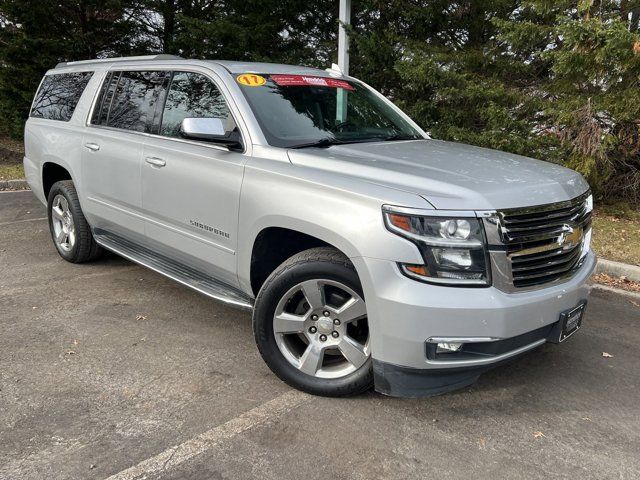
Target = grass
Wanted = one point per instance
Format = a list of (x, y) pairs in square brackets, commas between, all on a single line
[(11, 152), (11, 172), (617, 237)]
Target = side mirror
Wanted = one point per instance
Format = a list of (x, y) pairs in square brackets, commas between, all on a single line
[(210, 130)]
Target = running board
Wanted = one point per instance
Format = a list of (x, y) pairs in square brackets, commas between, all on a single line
[(187, 276)]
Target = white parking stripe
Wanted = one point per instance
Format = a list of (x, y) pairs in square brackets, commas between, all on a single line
[(207, 440), (22, 221)]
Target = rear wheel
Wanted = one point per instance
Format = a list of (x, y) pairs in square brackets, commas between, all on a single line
[(69, 229), (310, 324)]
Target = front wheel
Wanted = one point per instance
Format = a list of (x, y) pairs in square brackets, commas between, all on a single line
[(310, 324)]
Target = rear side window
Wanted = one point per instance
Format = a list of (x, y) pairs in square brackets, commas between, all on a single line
[(129, 100), (59, 94)]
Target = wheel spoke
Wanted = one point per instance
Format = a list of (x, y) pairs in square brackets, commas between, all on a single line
[(352, 351), (60, 236), (72, 237), (353, 309), (56, 212), (64, 205), (288, 323), (311, 359), (314, 293)]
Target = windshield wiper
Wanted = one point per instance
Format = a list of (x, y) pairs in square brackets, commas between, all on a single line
[(322, 143), (400, 136)]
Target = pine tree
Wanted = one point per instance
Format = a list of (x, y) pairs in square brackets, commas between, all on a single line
[(35, 35)]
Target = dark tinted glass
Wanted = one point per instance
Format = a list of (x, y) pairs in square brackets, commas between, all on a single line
[(59, 94), (101, 109), (193, 95), (135, 97)]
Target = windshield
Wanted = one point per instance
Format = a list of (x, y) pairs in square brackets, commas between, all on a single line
[(301, 110)]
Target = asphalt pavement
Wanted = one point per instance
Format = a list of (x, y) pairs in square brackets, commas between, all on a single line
[(109, 370)]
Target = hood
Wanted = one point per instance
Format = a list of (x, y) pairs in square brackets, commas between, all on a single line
[(448, 175)]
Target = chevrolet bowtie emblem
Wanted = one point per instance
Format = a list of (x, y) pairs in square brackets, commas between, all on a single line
[(570, 237)]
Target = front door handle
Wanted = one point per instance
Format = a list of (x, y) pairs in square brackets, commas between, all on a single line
[(155, 161), (94, 147)]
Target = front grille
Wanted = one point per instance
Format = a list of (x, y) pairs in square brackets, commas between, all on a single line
[(545, 243)]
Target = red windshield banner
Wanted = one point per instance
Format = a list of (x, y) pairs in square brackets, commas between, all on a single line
[(307, 81)]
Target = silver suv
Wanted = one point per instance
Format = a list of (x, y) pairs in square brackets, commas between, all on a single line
[(369, 253)]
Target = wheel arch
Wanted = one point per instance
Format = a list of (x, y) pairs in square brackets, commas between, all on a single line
[(271, 245), (52, 172)]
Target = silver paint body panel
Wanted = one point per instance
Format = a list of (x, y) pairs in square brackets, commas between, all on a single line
[(334, 194)]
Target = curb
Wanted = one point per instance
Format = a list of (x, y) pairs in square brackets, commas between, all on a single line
[(617, 291), (618, 269), (14, 185)]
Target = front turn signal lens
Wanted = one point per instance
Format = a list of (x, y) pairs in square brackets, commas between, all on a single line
[(400, 221), (417, 270)]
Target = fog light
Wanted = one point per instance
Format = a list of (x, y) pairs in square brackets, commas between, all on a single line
[(449, 347)]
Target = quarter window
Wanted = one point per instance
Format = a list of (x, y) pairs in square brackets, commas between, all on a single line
[(59, 95), (193, 95)]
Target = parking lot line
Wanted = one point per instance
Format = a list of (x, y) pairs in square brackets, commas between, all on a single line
[(180, 453), (23, 221)]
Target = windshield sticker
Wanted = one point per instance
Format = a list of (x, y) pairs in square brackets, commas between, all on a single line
[(251, 80), (304, 80)]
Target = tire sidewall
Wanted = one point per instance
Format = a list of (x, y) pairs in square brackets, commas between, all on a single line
[(276, 286), (60, 188)]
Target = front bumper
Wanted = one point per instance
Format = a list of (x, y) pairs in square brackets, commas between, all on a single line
[(403, 314)]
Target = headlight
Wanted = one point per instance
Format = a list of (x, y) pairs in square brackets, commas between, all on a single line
[(453, 249)]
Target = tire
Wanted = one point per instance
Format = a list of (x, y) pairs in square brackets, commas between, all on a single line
[(69, 229), (323, 282)]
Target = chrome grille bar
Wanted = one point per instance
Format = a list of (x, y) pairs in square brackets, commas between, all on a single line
[(541, 245)]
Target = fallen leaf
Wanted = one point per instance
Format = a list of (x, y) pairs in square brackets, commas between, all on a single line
[(482, 443), (75, 341), (141, 317), (70, 352), (538, 435), (617, 282), (586, 418), (607, 355)]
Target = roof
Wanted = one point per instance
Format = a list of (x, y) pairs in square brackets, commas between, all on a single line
[(119, 59), (263, 67), (232, 66)]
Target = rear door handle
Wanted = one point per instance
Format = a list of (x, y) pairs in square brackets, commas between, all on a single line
[(155, 161), (94, 147)]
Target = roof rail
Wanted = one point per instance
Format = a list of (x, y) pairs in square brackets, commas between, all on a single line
[(162, 56)]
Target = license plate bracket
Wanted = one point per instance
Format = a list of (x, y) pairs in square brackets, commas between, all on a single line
[(571, 321)]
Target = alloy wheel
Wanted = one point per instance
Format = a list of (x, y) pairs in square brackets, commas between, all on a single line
[(321, 328), (64, 230)]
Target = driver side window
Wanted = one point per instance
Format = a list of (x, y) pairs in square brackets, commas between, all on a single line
[(193, 95)]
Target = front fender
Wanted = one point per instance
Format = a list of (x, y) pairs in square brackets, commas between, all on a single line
[(338, 211)]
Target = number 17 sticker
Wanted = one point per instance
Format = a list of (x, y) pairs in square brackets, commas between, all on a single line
[(251, 80)]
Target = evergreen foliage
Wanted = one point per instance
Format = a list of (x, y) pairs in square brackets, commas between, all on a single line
[(555, 80)]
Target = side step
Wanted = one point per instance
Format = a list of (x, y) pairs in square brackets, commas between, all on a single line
[(170, 268)]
